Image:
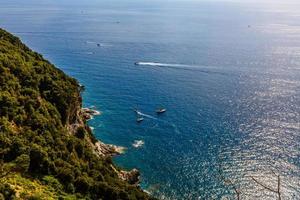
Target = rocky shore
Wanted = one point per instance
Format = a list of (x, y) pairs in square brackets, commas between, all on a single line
[(132, 176), (101, 149), (89, 113), (47, 148)]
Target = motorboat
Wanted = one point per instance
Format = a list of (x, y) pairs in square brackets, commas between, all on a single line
[(160, 110), (139, 119)]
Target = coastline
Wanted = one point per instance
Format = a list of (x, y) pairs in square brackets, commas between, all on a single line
[(101, 149), (48, 150)]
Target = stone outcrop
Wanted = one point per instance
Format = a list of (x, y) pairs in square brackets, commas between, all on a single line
[(102, 149), (80, 117), (132, 176)]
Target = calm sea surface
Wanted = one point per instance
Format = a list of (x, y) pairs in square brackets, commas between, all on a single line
[(227, 71)]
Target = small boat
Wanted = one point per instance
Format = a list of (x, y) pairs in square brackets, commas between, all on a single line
[(139, 119), (136, 63), (138, 115), (160, 110)]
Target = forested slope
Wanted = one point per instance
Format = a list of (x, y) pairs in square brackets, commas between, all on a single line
[(46, 148)]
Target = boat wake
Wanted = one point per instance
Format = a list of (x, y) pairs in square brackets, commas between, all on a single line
[(145, 115), (84, 53), (200, 68), (156, 64), (99, 44), (204, 69), (174, 126)]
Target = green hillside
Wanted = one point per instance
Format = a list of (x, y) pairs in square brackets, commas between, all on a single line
[(46, 149)]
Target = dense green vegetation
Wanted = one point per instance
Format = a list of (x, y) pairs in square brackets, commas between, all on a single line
[(39, 157)]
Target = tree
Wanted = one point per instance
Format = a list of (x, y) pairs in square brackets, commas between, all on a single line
[(22, 163)]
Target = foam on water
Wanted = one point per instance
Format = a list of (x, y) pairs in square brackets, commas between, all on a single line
[(145, 115), (199, 68), (138, 143), (163, 64), (174, 65)]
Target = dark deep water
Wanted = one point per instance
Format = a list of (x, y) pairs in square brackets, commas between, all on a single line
[(228, 73)]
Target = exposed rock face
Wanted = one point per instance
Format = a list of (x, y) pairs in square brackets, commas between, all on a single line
[(132, 177), (75, 117), (80, 117), (79, 120), (102, 149), (47, 149), (88, 113)]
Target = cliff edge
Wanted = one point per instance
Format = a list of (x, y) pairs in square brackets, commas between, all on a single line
[(47, 150)]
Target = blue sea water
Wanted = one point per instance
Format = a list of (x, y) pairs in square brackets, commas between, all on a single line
[(228, 73)]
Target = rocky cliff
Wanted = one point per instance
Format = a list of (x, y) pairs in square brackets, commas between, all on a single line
[(47, 150)]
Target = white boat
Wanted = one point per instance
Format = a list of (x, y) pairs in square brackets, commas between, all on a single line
[(160, 110), (139, 119)]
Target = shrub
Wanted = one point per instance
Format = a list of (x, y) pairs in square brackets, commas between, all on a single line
[(53, 182), (38, 159), (22, 163), (82, 184), (66, 175), (80, 133), (79, 148), (7, 192)]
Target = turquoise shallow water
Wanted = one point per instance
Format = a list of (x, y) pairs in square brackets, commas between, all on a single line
[(228, 73)]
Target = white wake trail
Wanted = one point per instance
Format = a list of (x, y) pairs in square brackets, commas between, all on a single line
[(201, 68), (145, 115), (164, 64)]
